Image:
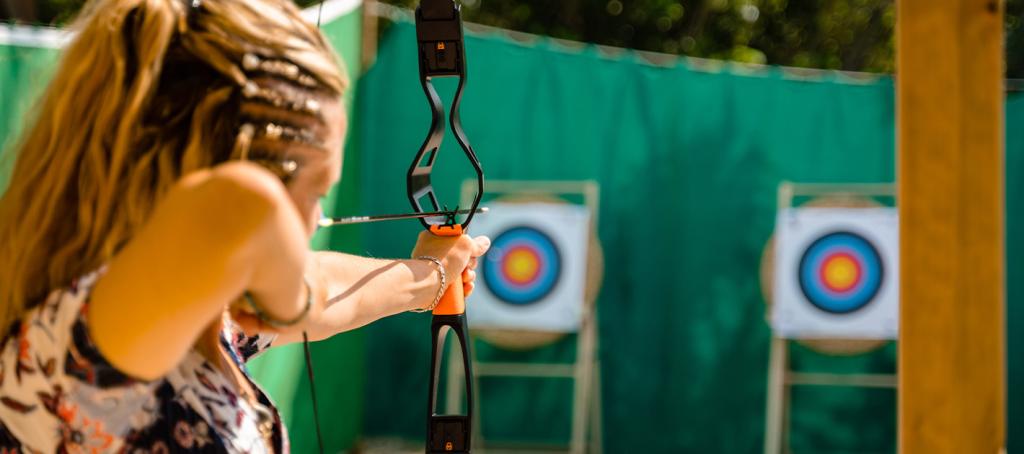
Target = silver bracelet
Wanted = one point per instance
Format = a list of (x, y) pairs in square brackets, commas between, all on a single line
[(444, 283), (276, 323)]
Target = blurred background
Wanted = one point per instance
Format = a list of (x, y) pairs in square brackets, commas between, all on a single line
[(687, 115), (851, 35)]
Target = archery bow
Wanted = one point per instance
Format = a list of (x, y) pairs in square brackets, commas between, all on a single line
[(441, 53)]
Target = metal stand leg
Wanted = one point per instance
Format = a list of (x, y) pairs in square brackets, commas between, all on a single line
[(583, 374), (775, 412), (596, 421)]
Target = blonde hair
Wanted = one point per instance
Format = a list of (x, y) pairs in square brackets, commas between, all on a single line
[(149, 90)]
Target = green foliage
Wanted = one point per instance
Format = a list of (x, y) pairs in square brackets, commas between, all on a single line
[(854, 35), (42, 12), (1015, 38), (837, 34)]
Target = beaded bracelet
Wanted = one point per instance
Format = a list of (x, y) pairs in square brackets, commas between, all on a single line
[(444, 283), (276, 323)]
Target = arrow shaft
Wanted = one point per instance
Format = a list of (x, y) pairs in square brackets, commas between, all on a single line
[(327, 222)]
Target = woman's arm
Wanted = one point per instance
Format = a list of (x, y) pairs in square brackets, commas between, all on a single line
[(216, 234), (353, 291)]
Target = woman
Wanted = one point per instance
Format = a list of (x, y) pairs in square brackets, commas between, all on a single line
[(155, 231)]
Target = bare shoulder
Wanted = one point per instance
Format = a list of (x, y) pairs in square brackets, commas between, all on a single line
[(183, 266), (231, 180)]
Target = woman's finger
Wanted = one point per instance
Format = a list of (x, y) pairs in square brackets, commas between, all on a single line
[(468, 277), (482, 244)]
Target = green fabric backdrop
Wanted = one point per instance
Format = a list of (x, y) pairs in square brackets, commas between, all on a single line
[(1015, 270), (688, 161), (23, 74)]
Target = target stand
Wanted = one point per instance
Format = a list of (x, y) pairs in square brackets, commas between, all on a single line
[(831, 286), (526, 261)]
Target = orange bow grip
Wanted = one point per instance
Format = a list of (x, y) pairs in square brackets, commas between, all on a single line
[(453, 302)]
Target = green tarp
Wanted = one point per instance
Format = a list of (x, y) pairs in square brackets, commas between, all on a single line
[(688, 157), (1015, 270), (23, 73)]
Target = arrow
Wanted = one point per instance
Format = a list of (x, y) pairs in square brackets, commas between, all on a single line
[(328, 222)]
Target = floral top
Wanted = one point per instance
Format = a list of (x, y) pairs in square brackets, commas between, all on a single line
[(59, 395)]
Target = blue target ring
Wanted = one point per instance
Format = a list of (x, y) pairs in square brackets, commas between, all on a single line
[(841, 272), (523, 266)]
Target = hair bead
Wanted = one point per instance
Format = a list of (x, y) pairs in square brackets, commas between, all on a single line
[(306, 105), (252, 62)]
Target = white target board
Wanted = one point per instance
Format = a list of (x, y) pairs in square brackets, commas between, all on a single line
[(534, 275), (836, 273)]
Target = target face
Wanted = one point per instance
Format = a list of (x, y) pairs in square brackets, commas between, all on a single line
[(841, 272), (836, 273), (523, 266), (534, 276)]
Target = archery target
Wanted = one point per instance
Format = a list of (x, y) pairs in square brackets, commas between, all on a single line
[(524, 267), (841, 272), (835, 274), (534, 274)]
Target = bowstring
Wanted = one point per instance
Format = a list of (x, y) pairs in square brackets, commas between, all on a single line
[(305, 336), (312, 390)]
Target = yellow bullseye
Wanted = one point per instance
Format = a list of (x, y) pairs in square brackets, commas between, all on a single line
[(521, 265), (840, 272)]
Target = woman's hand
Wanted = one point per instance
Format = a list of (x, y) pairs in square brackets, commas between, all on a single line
[(458, 254), (350, 291)]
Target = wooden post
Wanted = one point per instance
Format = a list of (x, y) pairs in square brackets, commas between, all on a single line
[(370, 20), (952, 387)]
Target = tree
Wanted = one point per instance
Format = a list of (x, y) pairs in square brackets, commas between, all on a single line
[(50, 12), (1015, 38), (855, 35)]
